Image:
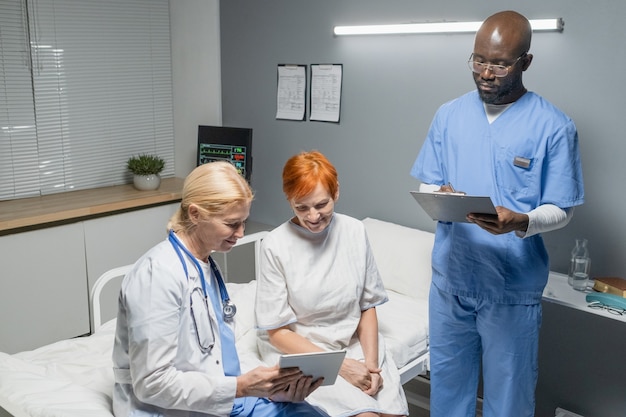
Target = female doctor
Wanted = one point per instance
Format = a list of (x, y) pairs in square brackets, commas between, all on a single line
[(174, 352)]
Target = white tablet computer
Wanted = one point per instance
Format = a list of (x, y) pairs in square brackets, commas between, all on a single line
[(452, 207), (316, 364)]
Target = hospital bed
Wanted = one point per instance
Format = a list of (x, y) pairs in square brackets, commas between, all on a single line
[(74, 377)]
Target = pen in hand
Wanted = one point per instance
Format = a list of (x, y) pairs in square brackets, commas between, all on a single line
[(448, 188)]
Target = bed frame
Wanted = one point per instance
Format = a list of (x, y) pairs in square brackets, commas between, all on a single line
[(27, 379)]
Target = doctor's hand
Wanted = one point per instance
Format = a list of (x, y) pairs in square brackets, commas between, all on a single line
[(448, 188), (297, 391), (506, 221), (288, 384)]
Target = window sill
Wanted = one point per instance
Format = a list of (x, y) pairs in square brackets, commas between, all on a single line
[(50, 210)]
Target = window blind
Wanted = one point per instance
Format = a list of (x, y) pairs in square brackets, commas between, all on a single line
[(101, 88), (19, 175)]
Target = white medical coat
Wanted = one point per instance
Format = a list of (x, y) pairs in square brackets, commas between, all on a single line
[(159, 366)]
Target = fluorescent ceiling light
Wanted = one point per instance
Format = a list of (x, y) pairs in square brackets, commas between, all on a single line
[(443, 27)]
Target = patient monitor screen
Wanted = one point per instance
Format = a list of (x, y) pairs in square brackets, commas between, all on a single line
[(232, 144)]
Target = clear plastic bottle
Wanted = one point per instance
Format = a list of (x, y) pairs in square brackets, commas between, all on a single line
[(579, 253)]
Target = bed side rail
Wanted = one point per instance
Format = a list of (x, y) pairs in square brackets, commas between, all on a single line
[(97, 290)]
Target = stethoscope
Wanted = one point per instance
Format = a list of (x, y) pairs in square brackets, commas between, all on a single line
[(228, 307)]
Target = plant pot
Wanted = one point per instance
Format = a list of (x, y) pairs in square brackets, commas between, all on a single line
[(146, 182)]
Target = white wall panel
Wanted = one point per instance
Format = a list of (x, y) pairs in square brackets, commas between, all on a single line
[(43, 287)]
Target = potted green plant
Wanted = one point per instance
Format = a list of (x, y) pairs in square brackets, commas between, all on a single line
[(146, 169)]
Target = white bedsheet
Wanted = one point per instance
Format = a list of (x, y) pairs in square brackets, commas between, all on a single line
[(69, 378)]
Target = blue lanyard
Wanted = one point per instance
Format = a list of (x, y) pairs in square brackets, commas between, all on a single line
[(228, 308)]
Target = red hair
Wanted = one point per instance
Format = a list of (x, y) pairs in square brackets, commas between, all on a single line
[(302, 173)]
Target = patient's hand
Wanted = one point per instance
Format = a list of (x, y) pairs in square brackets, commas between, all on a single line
[(377, 382), (356, 373)]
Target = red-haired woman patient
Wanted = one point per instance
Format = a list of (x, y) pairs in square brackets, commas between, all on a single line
[(318, 290)]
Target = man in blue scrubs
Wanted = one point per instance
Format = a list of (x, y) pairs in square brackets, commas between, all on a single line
[(489, 274)]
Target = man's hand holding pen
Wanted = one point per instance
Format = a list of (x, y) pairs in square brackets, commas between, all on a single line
[(448, 188)]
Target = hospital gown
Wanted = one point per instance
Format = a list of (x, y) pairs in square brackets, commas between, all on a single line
[(318, 284)]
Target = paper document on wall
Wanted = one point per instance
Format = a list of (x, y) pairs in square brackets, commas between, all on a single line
[(291, 94), (326, 92)]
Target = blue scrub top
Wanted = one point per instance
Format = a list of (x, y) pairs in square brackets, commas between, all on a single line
[(527, 157)]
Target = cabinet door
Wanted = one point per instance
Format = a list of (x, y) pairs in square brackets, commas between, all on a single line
[(43, 287), (119, 240)]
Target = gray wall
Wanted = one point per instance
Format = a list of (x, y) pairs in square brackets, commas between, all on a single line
[(392, 87), (195, 37)]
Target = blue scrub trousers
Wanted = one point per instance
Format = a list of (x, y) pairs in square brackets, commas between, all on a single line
[(261, 407), (464, 331)]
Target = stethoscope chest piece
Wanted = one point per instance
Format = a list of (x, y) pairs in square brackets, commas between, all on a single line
[(229, 309)]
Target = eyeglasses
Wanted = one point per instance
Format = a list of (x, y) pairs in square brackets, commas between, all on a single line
[(497, 70), (613, 310)]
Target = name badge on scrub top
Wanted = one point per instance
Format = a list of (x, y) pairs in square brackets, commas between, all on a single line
[(520, 161)]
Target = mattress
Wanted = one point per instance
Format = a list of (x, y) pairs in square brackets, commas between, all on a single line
[(403, 321)]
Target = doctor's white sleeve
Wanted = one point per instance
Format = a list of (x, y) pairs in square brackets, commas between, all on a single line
[(428, 188), (545, 218)]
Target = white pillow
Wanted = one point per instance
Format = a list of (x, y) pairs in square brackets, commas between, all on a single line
[(402, 255), (243, 295)]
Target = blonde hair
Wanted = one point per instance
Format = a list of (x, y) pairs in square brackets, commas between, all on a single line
[(214, 187)]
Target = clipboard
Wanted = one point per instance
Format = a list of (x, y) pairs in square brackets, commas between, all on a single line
[(316, 364), (452, 207)]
